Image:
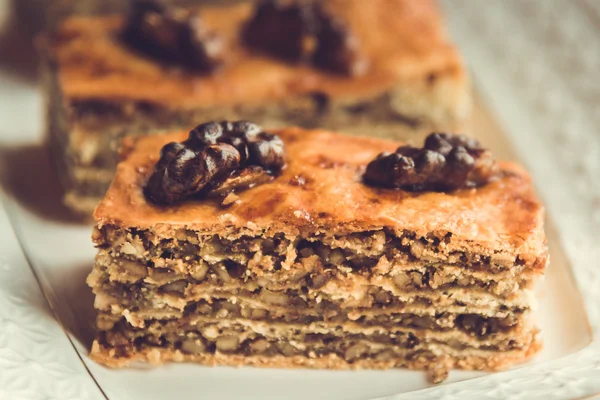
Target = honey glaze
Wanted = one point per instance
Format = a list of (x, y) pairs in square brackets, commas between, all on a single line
[(333, 197), (402, 39)]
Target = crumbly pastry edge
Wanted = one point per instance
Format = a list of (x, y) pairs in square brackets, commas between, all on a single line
[(156, 356)]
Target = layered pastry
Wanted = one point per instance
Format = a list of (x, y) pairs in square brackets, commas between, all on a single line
[(385, 67), (229, 245)]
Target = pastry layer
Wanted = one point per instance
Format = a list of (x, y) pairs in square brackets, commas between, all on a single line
[(182, 293), (239, 335), (312, 276), (326, 316), (381, 251), (281, 272), (172, 303), (214, 347), (460, 330), (320, 197), (438, 365), (355, 262)]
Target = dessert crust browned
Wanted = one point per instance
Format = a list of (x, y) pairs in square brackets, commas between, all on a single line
[(485, 362), (404, 41), (503, 217)]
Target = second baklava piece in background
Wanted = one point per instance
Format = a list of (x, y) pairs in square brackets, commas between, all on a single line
[(380, 66)]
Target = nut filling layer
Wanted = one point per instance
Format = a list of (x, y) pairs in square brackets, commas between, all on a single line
[(326, 315), (361, 249), (200, 295), (238, 339)]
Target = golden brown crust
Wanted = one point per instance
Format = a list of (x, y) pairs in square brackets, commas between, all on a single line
[(504, 216), (404, 40), (489, 361)]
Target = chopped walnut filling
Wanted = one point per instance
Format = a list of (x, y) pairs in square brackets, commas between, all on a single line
[(302, 31), (172, 35), (210, 338), (184, 293), (233, 271), (445, 163), (216, 159), (361, 249), (472, 324)]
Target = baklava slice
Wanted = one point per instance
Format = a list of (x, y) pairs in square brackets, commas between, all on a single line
[(229, 245)]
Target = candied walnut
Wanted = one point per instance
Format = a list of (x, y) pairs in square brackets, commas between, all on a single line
[(222, 314), (336, 257), (134, 268), (163, 276), (298, 276), (216, 159), (421, 321), (338, 50), (446, 162), (244, 179), (173, 35), (204, 309), (386, 355), (306, 252), (300, 31), (297, 302), (287, 30)]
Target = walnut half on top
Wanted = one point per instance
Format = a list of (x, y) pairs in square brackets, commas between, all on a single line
[(173, 35), (300, 31), (446, 162), (216, 159)]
